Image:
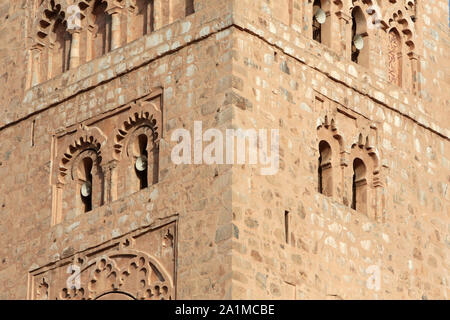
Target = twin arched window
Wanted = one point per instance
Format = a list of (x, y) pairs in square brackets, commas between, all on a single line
[(402, 65), (85, 180), (140, 171), (359, 183), (321, 30)]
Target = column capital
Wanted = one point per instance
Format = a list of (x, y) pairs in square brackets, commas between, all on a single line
[(343, 16), (115, 9), (60, 185), (110, 165), (38, 46), (413, 56), (74, 31)]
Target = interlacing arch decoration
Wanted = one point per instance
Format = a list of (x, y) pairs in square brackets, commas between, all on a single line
[(367, 7), (49, 12), (141, 278), (51, 42)]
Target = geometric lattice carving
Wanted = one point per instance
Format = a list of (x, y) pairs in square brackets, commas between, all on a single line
[(137, 266), (141, 278)]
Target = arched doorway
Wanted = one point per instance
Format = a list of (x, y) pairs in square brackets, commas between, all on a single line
[(115, 295)]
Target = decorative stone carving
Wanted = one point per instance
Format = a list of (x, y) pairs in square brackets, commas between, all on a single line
[(144, 115), (138, 266), (87, 139)]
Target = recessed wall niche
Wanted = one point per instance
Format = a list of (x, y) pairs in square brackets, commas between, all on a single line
[(106, 158)]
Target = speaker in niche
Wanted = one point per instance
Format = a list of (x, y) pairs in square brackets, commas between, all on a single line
[(320, 16), (358, 42)]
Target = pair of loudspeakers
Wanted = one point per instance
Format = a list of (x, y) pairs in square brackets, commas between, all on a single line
[(321, 17), (141, 165)]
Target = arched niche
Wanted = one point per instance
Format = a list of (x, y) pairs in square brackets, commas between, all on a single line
[(359, 186), (141, 19), (325, 169), (395, 57), (359, 55), (330, 159), (136, 148), (321, 21)]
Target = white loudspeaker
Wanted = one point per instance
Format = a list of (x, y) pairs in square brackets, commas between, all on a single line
[(86, 189), (358, 41), (141, 163), (320, 16)]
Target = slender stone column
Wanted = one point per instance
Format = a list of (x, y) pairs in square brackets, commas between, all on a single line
[(110, 178), (75, 48), (89, 39), (157, 15), (307, 19), (415, 73), (345, 22), (50, 54), (36, 52), (115, 27), (57, 203)]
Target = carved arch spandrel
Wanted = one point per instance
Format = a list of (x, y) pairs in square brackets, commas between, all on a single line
[(139, 275), (138, 265)]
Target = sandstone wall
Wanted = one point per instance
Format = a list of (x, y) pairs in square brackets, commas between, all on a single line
[(292, 85), (188, 64), (241, 64)]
